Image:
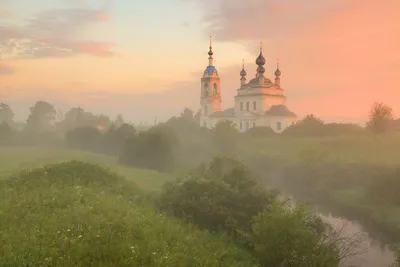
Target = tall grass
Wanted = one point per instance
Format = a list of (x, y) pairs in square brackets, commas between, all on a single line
[(79, 214)]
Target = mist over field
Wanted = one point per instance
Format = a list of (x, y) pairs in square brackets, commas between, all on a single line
[(130, 137)]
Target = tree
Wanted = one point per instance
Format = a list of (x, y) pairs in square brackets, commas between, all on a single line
[(197, 117), (6, 113), (187, 114), (154, 149), (87, 138), (225, 137), (379, 117), (259, 132), (6, 133), (41, 117), (310, 125), (115, 139), (119, 121), (223, 195), (294, 237)]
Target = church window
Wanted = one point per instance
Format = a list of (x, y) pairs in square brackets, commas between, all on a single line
[(205, 110), (247, 105), (241, 105), (254, 105), (215, 89), (206, 89), (278, 126)]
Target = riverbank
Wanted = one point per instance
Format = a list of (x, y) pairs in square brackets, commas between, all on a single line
[(353, 176)]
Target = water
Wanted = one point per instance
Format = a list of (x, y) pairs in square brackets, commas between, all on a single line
[(373, 252), (370, 252)]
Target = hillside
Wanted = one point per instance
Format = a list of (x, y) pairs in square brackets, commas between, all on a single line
[(15, 159), (80, 214)]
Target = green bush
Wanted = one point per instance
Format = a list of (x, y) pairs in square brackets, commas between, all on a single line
[(222, 195)]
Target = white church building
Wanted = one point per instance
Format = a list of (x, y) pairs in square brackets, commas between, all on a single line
[(258, 102)]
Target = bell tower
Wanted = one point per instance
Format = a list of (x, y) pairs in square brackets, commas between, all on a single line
[(210, 99)]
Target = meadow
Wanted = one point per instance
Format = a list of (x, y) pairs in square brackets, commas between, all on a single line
[(334, 171), (353, 176), (80, 214), (14, 159), (350, 149)]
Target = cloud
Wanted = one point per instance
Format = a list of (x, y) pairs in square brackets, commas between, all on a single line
[(55, 33), (6, 69), (346, 49)]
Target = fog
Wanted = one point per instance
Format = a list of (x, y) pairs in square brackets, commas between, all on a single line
[(134, 138)]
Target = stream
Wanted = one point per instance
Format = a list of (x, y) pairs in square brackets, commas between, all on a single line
[(372, 252)]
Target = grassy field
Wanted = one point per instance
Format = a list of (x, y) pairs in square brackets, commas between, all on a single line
[(79, 214), (16, 159), (365, 149), (344, 171)]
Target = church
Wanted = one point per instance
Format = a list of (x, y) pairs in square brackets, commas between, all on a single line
[(258, 102)]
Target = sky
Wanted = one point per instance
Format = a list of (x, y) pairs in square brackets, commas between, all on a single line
[(144, 59)]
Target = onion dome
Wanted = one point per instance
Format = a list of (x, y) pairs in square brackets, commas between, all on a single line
[(243, 72), (278, 71), (260, 61), (260, 69)]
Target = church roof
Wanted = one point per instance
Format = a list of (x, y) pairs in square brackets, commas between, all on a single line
[(230, 112), (210, 71), (280, 111), (255, 83)]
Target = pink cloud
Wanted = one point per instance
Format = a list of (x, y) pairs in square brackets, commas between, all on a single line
[(337, 56), (56, 33)]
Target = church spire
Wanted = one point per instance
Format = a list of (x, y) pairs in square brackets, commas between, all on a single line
[(243, 74), (210, 53), (278, 74)]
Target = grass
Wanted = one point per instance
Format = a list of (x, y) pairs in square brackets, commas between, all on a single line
[(15, 159), (356, 149), (346, 190), (80, 214)]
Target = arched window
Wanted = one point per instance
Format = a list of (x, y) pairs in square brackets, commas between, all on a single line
[(247, 106), (215, 87), (278, 126), (206, 89)]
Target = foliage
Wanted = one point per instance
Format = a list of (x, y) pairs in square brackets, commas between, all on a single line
[(260, 132), (87, 138), (77, 214), (225, 136), (222, 195), (41, 117), (6, 133), (384, 188), (6, 113), (119, 121), (312, 126), (379, 118), (153, 149), (292, 237)]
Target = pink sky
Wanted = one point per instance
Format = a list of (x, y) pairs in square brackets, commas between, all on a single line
[(337, 56)]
